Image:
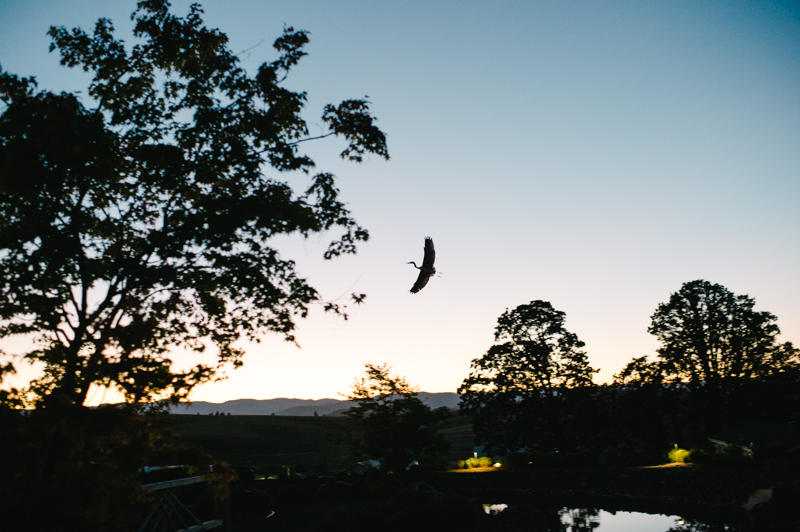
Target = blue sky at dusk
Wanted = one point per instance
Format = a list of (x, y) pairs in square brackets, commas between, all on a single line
[(596, 155)]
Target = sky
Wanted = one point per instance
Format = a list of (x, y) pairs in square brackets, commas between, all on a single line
[(596, 155)]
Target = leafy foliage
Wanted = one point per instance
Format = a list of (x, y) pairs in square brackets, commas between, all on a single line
[(397, 426), (639, 371), (483, 461), (517, 388), (144, 224), (678, 455), (537, 354), (708, 333)]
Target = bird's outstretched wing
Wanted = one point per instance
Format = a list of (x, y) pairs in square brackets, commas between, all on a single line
[(430, 254), (422, 280)]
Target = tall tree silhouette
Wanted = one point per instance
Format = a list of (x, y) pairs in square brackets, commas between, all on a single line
[(708, 333), (515, 390), (143, 221), (396, 425)]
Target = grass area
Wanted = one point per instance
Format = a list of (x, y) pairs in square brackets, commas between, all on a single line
[(490, 469), (313, 444), (264, 443), (458, 431)]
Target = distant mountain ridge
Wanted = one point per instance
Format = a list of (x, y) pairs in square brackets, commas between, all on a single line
[(283, 406)]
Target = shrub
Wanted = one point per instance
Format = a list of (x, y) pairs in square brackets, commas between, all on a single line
[(700, 456), (483, 461), (514, 461), (679, 455)]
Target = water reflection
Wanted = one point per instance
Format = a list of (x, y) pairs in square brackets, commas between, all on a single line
[(695, 526), (589, 519), (594, 520), (579, 519)]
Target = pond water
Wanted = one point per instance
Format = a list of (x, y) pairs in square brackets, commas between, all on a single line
[(602, 521), (592, 520)]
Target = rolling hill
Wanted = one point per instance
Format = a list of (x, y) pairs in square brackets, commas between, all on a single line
[(296, 407)]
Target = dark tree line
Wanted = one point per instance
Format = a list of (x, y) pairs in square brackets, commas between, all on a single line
[(395, 426), (515, 392), (719, 363)]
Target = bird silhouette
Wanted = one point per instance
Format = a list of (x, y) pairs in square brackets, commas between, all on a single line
[(426, 271)]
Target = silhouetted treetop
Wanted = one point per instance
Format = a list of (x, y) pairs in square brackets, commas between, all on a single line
[(142, 222), (534, 351), (516, 393), (397, 426), (639, 371), (708, 333)]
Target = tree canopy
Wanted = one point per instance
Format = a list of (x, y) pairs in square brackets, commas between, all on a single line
[(515, 392), (708, 333), (396, 425), (534, 352), (639, 371), (141, 221)]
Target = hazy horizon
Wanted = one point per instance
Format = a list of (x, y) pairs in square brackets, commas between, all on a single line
[(301, 398)]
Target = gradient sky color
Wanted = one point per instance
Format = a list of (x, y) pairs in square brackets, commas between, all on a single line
[(596, 155)]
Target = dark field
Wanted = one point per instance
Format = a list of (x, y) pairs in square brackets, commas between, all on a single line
[(303, 443), (326, 498)]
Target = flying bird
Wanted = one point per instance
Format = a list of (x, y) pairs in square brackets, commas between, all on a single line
[(426, 271)]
